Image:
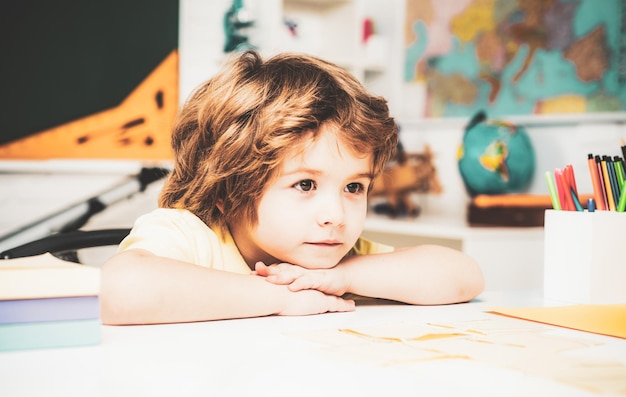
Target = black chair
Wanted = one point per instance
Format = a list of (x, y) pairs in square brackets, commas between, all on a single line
[(66, 244)]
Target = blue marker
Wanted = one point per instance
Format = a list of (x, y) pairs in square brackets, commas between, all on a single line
[(591, 205)]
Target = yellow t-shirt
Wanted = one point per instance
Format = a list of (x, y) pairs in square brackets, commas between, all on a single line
[(179, 234)]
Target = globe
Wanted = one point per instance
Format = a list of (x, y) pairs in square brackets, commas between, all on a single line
[(495, 157)]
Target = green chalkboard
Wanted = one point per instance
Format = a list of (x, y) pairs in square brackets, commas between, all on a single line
[(65, 59)]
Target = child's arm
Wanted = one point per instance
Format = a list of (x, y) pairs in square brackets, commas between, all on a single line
[(423, 275), (138, 287)]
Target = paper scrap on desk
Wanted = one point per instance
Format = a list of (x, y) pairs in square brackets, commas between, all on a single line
[(609, 319), (498, 341)]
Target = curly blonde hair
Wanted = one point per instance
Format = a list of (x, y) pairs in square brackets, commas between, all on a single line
[(236, 128)]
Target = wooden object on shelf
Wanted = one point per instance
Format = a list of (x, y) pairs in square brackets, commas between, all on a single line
[(513, 210), (406, 174), (519, 210), (505, 216)]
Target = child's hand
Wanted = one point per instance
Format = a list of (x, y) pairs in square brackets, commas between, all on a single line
[(297, 278), (306, 302)]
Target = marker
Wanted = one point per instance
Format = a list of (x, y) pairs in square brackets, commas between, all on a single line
[(621, 206), (615, 186), (568, 172), (591, 205), (552, 191), (604, 203), (561, 188), (595, 179), (619, 170), (607, 185), (577, 204), (570, 181)]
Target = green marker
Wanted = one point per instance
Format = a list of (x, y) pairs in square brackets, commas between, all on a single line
[(621, 205), (552, 190)]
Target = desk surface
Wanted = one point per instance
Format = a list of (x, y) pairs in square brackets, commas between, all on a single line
[(366, 352)]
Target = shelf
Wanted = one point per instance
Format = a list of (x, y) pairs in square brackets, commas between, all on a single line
[(447, 228), (548, 120), (323, 3)]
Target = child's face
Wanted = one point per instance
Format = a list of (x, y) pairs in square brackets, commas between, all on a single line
[(313, 211)]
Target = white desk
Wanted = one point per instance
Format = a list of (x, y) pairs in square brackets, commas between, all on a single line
[(278, 356)]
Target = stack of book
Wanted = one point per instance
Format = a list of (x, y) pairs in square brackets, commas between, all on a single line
[(46, 302)]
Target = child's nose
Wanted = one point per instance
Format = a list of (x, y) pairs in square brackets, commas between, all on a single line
[(331, 210)]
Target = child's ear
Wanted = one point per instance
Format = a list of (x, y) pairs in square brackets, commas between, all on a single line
[(220, 206)]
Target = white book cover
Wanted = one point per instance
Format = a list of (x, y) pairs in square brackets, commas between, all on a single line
[(45, 276)]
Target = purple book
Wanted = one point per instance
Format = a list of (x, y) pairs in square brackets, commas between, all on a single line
[(49, 309)]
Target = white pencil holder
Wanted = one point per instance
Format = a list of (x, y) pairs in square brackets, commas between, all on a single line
[(585, 256)]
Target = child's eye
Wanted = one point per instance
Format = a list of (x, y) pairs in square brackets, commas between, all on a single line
[(354, 187), (306, 185)]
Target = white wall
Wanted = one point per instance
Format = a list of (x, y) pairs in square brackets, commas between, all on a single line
[(201, 39)]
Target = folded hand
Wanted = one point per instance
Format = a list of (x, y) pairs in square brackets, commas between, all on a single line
[(329, 281)]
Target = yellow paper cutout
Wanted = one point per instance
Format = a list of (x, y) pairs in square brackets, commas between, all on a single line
[(498, 341), (423, 337), (598, 319)]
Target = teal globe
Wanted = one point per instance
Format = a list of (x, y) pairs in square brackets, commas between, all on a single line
[(495, 157)]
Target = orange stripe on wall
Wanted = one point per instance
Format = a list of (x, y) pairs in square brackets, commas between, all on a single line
[(138, 128)]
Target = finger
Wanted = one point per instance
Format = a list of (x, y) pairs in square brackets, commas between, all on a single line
[(283, 277), (276, 268), (342, 305), (315, 279), (286, 271), (302, 283), (278, 279), (261, 269)]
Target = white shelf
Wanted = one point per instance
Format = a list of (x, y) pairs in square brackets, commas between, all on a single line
[(446, 228), (554, 120)]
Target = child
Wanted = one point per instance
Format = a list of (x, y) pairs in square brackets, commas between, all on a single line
[(263, 210)]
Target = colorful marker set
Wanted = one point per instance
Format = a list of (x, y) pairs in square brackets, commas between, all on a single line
[(608, 178), (563, 190)]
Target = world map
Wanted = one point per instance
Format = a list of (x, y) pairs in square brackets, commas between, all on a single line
[(517, 57)]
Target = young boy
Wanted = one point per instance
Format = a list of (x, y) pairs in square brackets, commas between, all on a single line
[(263, 210)]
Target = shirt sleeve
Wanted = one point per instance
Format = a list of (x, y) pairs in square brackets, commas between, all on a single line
[(164, 232), (364, 246), (179, 234)]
